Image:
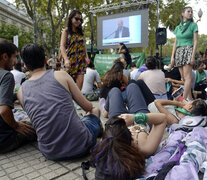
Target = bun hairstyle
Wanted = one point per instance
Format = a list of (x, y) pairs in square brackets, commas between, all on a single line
[(114, 156)]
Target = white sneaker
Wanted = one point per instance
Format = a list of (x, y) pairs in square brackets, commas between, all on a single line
[(102, 103), (167, 68), (76, 105)]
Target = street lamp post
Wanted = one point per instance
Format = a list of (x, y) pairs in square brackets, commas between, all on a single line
[(34, 22), (200, 13)]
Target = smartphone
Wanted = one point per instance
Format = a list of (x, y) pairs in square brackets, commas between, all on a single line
[(178, 92)]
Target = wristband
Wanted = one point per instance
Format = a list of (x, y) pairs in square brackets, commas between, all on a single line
[(140, 118)]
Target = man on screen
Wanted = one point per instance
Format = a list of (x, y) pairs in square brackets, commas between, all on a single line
[(121, 30)]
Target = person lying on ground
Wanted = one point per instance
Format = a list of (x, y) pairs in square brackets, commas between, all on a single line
[(175, 110), (138, 97), (47, 97), (122, 152)]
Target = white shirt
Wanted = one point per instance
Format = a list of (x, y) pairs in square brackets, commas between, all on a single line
[(155, 80), (18, 76), (135, 74), (90, 77)]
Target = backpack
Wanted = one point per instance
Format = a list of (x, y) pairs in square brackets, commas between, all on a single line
[(189, 122)]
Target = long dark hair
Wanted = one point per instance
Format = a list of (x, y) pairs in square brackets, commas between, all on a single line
[(69, 23), (124, 46), (114, 74), (115, 154), (184, 9)]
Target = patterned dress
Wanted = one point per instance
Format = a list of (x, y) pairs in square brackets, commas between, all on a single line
[(75, 50)]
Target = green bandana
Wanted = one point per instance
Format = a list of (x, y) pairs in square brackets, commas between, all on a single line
[(200, 76), (183, 111), (184, 25)]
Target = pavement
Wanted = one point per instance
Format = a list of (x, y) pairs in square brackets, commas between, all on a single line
[(28, 163)]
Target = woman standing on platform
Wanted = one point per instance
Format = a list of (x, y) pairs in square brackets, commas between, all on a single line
[(184, 49), (73, 48)]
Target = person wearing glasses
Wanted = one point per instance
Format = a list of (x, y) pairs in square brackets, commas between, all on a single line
[(73, 49)]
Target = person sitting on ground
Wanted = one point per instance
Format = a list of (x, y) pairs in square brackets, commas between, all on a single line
[(175, 110), (201, 55), (200, 79), (125, 149), (125, 71), (114, 77), (47, 98), (52, 62), (18, 74), (175, 83), (91, 77), (12, 134), (154, 78), (173, 74), (124, 53), (134, 74)]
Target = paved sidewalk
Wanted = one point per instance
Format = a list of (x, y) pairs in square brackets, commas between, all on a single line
[(28, 163)]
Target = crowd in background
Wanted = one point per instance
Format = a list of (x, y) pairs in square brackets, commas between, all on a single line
[(140, 102)]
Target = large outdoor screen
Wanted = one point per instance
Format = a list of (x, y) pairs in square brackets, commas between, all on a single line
[(130, 28)]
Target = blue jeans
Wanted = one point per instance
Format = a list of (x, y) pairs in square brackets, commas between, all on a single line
[(134, 98), (92, 122)]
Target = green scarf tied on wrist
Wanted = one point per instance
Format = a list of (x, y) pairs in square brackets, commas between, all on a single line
[(183, 26)]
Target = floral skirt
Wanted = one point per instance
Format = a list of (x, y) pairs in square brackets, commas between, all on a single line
[(183, 55)]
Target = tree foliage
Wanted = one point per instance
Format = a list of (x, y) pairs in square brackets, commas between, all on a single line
[(55, 12), (8, 31)]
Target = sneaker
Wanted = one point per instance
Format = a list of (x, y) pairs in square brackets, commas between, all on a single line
[(76, 106), (167, 68), (102, 103)]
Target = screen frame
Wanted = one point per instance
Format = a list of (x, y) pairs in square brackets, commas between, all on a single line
[(144, 28)]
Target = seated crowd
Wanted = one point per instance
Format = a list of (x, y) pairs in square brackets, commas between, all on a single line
[(136, 104)]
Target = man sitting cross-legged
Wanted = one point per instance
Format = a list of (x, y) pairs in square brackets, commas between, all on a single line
[(12, 134), (47, 97)]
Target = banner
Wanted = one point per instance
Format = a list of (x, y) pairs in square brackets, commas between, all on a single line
[(103, 62), (16, 40)]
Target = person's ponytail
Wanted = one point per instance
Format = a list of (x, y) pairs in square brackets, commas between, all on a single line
[(114, 156)]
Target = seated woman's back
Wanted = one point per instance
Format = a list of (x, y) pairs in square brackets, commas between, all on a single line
[(113, 78), (154, 78)]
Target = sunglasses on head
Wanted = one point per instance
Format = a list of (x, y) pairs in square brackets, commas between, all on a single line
[(79, 19)]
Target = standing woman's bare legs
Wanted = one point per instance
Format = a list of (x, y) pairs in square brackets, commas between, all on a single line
[(79, 80), (187, 72), (181, 72)]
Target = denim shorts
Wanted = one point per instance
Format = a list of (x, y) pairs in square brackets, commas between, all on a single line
[(92, 122)]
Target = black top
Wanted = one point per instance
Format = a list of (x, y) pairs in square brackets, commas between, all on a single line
[(173, 74), (105, 90)]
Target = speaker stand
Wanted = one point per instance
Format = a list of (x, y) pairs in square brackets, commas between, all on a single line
[(161, 51)]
